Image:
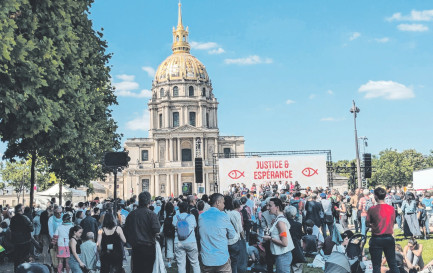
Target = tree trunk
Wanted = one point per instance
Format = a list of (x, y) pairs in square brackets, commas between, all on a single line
[(32, 179), (60, 193)]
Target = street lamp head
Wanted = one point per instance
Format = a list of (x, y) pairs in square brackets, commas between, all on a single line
[(354, 110)]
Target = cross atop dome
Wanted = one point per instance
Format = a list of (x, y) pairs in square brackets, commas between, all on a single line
[(180, 35)]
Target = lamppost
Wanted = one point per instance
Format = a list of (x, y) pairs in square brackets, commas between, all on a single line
[(354, 110)]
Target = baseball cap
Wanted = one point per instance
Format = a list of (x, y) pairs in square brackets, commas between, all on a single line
[(323, 195)]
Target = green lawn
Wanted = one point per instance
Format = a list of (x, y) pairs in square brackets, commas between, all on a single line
[(427, 253)]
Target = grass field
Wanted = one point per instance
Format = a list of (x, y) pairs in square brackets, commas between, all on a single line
[(427, 253)]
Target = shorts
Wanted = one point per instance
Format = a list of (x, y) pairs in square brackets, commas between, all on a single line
[(63, 252)]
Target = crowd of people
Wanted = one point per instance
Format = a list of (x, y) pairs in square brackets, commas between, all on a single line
[(260, 228)]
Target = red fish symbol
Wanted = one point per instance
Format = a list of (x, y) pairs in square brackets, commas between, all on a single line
[(309, 171), (235, 174)]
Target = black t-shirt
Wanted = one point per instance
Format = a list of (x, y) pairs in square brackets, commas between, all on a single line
[(44, 222)]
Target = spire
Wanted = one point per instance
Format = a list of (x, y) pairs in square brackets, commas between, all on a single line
[(179, 17), (180, 35)]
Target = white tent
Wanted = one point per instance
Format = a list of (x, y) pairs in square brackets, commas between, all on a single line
[(67, 194)]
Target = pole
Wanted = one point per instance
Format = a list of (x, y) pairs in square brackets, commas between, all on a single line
[(355, 110), (32, 179), (115, 192)]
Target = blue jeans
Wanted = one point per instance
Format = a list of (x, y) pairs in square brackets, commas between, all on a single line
[(385, 243), (398, 220), (74, 265), (283, 262), (363, 225), (355, 219)]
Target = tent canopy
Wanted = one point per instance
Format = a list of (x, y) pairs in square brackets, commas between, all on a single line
[(67, 194)]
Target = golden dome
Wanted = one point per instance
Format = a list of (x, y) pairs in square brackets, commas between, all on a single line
[(181, 65)]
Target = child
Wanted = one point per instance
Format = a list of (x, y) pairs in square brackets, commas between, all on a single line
[(422, 217)]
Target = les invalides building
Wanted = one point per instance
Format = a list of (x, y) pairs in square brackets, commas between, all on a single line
[(183, 126)]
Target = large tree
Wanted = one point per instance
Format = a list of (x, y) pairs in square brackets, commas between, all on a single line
[(56, 68)]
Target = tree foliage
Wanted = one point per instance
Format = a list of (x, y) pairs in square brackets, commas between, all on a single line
[(55, 89)]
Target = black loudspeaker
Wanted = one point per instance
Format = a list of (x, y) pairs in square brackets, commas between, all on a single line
[(367, 165), (116, 159), (199, 170)]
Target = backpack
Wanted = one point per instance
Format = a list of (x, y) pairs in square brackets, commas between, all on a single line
[(246, 218), (368, 204), (349, 210), (182, 227), (295, 203), (169, 230)]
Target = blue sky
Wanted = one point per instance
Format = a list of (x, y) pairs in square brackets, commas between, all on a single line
[(285, 72)]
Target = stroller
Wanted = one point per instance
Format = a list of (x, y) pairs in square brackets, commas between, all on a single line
[(337, 262), (354, 252)]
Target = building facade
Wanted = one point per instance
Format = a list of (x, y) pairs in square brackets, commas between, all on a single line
[(183, 126)]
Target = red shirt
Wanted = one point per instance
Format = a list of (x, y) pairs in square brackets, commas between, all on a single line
[(381, 219)]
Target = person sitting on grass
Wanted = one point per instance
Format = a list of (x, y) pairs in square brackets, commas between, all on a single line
[(413, 254), (309, 243), (399, 259)]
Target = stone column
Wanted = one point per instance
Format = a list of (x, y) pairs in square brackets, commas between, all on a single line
[(151, 118), (199, 117), (216, 150), (156, 189), (216, 118), (179, 151), (171, 149), (179, 183), (156, 151), (152, 185), (194, 141), (202, 148), (167, 152), (172, 186), (167, 117)]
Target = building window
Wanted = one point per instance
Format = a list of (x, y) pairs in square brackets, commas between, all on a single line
[(175, 91), (207, 120), (186, 155), (144, 185), (203, 92), (227, 152), (160, 120), (175, 119), (192, 118), (144, 155), (161, 92), (191, 91)]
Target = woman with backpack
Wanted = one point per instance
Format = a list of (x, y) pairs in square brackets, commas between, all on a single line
[(409, 210), (110, 239)]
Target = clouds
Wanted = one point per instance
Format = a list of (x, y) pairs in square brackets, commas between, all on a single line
[(126, 87), (312, 96), (140, 123), (388, 90), (211, 47), (354, 36), (412, 27), (149, 70), (250, 60), (414, 16), (290, 101)]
